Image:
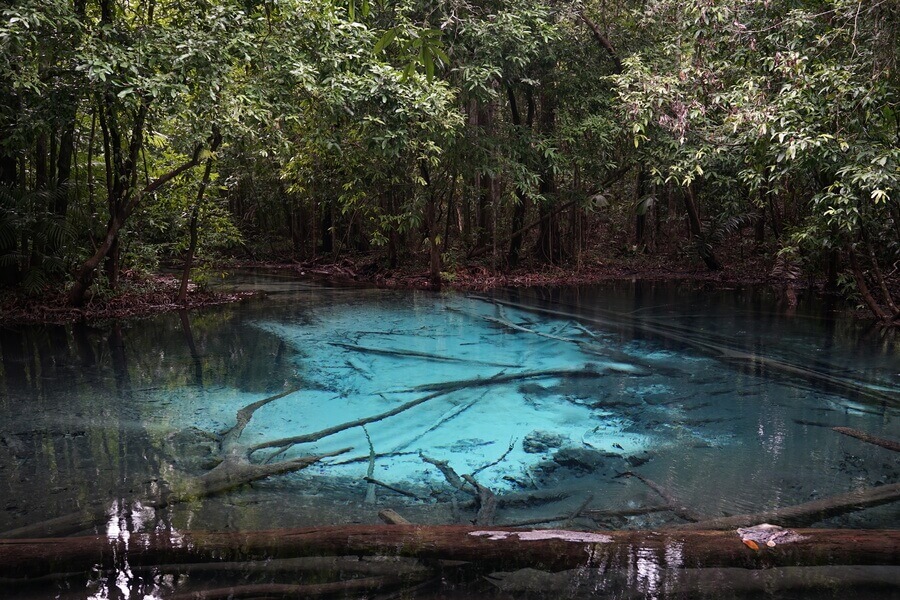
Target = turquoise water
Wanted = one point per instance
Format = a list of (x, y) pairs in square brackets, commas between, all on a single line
[(724, 399)]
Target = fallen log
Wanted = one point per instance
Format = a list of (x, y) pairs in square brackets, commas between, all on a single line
[(416, 354), (721, 351), (587, 371), (494, 549), (802, 515)]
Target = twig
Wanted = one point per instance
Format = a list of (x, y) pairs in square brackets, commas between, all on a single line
[(676, 507), (512, 444), (577, 512), (449, 415), (450, 386), (370, 490), (318, 435), (450, 474), (416, 354), (388, 486), (720, 351), (802, 515), (230, 436)]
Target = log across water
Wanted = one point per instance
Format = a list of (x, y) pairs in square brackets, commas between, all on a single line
[(491, 549)]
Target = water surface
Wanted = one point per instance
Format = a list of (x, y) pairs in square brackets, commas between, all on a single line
[(723, 398)]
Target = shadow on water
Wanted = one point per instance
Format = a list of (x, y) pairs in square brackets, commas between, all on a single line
[(551, 396)]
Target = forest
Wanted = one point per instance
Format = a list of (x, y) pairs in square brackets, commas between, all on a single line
[(447, 135)]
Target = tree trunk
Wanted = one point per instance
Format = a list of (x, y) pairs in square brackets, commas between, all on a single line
[(640, 218), (696, 229), (434, 251), (84, 276), (863, 288), (193, 227), (549, 245), (9, 180), (489, 550), (519, 210), (487, 196)]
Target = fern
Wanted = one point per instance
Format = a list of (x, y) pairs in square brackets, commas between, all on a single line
[(786, 265), (718, 230)]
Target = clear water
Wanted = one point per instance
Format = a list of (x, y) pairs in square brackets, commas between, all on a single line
[(717, 396)]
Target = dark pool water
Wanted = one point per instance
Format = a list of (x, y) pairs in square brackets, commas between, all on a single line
[(725, 399)]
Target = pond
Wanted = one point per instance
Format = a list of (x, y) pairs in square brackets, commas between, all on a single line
[(630, 405)]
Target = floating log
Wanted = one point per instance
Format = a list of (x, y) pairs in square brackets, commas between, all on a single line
[(493, 549)]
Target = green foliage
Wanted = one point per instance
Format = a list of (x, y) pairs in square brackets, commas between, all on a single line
[(406, 127)]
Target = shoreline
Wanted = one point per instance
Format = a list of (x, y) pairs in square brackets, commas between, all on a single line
[(152, 295)]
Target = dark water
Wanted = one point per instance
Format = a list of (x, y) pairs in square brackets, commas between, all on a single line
[(723, 398)]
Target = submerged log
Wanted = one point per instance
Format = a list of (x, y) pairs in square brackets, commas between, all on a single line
[(805, 514), (491, 550), (721, 351), (869, 438), (286, 590)]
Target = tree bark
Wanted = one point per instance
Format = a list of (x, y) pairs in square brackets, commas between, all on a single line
[(492, 550)]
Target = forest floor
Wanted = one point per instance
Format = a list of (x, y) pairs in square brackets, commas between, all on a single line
[(142, 295)]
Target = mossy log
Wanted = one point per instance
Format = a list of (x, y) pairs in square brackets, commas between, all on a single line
[(493, 549)]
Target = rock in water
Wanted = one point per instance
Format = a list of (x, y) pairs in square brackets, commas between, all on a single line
[(538, 441)]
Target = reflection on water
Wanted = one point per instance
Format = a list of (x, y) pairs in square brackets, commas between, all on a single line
[(548, 397)]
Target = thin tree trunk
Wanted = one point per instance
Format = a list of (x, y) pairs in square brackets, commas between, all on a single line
[(193, 227), (863, 288), (696, 228)]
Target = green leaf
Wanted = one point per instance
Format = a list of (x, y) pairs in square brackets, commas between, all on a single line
[(386, 40)]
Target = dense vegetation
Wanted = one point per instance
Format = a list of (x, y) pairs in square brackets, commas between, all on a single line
[(447, 132)]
